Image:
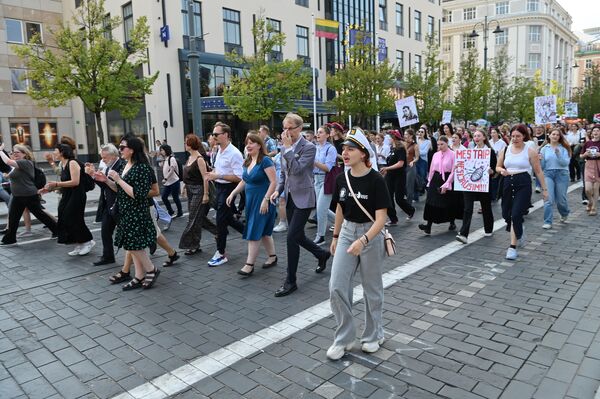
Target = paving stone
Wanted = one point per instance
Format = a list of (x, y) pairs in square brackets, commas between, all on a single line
[(37, 389), (563, 371), (352, 384), (328, 390), (71, 388), (518, 389), (550, 389), (236, 381), (268, 379)]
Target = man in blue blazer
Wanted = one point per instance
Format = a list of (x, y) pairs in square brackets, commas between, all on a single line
[(297, 182)]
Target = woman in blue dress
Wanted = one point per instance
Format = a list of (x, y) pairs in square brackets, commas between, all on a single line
[(259, 182)]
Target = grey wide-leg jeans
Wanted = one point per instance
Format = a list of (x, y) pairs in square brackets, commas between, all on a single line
[(345, 266)]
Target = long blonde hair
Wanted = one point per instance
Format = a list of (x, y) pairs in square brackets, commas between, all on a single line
[(25, 150)]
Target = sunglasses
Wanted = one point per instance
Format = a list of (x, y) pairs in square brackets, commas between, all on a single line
[(122, 147)]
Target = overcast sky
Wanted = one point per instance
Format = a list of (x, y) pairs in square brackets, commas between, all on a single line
[(585, 13)]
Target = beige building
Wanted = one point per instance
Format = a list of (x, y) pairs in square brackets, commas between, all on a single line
[(535, 33), (587, 54), (21, 119)]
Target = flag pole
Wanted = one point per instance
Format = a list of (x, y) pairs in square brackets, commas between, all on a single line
[(314, 79), (376, 60)]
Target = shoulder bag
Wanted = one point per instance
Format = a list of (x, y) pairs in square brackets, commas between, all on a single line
[(388, 240)]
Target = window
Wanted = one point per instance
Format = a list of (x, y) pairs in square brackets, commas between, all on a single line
[(535, 61), (447, 16), (383, 14), (468, 41), (469, 13), (127, 21), (400, 19), (400, 60), (533, 5), (303, 3), (430, 26), (417, 25), (418, 64), (231, 25), (302, 40), (197, 18), (18, 80), (502, 8), (588, 64), (276, 26), (446, 44), (502, 37), (21, 31), (78, 3), (107, 29), (535, 33)]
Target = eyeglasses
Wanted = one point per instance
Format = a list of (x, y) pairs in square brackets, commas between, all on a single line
[(122, 147), (292, 128), (218, 134)]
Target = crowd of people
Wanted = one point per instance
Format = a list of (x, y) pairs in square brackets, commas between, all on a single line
[(348, 183)]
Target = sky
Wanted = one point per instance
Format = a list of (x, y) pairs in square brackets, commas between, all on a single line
[(584, 13)]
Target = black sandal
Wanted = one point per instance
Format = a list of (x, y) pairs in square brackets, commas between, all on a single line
[(171, 260), (190, 252), (150, 279), (119, 277), (246, 274), (268, 265), (133, 284)]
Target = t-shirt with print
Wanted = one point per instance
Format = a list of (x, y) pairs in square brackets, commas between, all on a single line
[(594, 147), (371, 191), (397, 154)]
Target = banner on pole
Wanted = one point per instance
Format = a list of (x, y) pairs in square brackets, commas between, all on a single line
[(381, 49), (406, 108), (545, 109), (447, 116), (471, 170)]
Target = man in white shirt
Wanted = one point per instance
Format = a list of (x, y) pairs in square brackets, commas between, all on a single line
[(226, 174)]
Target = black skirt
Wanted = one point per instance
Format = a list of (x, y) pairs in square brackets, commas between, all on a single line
[(442, 208)]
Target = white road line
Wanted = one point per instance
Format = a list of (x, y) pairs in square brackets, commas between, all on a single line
[(193, 372)]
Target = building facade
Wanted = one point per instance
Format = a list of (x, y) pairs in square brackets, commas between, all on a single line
[(587, 54), (23, 121), (536, 35)]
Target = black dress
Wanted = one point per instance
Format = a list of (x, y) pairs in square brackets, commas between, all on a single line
[(71, 210), (442, 208)]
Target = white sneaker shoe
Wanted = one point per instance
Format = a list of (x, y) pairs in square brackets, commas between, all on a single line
[(281, 227), (87, 247), (546, 226), (461, 238), (511, 254), (371, 347), (217, 259), (564, 219), (26, 233), (336, 352), (488, 234), (75, 251)]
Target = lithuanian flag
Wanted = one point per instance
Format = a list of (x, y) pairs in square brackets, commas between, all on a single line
[(326, 28)]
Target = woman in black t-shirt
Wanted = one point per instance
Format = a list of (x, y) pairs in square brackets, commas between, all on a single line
[(358, 245), (395, 177)]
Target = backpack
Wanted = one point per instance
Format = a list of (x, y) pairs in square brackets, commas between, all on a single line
[(39, 178), (179, 171), (85, 179)]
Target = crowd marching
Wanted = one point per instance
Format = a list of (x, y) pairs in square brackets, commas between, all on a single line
[(346, 182)]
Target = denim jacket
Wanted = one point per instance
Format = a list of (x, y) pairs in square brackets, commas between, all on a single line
[(552, 161)]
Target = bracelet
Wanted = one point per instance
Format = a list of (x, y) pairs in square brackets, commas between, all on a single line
[(362, 241), (366, 238), (336, 236), (267, 198)]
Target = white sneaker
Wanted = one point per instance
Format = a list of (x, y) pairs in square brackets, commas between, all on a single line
[(281, 227), (461, 238), (585, 202), (511, 254), (332, 228), (563, 219), (336, 352), (217, 260), (371, 347), (26, 233), (87, 247), (488, 234), (546, 226), (75, 251), (538, 190)]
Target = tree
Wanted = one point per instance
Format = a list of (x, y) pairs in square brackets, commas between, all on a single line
[(429, 87), (473, 86), (89, 65), (500, 102), (523, 91), (587, 96), (265, 86), (363, 86)]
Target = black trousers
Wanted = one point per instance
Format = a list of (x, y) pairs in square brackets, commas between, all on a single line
[(575, 169), (486, 207), (397, 189), (15, 211), (296, 238), (225, 216), (107, 229)]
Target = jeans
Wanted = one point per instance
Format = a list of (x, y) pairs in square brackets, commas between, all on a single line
[(421, 166), (557, 181), (4, 196), (225, 216), (516, 196), (323, 202), (370, 265), (173, 190)]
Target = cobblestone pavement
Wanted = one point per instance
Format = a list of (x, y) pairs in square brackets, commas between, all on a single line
[(468, 325)]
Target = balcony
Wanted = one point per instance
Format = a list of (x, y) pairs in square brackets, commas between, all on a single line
[(275, 56), (230, 47), (305, 60)]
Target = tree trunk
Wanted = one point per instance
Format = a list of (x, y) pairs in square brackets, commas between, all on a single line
[(99, 130)]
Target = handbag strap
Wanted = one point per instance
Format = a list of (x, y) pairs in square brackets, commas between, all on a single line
[(356, 199)]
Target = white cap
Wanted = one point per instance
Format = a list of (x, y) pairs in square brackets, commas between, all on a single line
[(357, 139)]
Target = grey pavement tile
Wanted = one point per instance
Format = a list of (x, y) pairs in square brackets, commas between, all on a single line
[(518, 389), (24, 372), (261, 392), (590, 367), (269, 379), (38, 389), (551, 389), (69, 356), (457, 393), (71, 387), (583, 387), (86, 370), (55, 371)]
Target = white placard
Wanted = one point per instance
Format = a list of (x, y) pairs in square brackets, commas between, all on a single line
[(571, 110), (447, 116), (545, 109), (471, 171), (406, 108)]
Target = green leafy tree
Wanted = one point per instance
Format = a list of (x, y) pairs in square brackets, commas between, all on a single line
[(363, 87), (428, 87), (265, 86), (558, 90), (89, 65), (587, 96), (499, 100), (473, 87), (523, 91)]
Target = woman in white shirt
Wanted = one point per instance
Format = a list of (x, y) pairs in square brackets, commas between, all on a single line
[(422, 165), (171, 180)]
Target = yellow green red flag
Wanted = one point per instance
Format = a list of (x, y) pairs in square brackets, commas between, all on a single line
[(326, 28)]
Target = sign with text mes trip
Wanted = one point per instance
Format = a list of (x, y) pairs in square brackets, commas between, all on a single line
[(471, 170)]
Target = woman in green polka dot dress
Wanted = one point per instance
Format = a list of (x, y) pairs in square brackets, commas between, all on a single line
[(135, 230)]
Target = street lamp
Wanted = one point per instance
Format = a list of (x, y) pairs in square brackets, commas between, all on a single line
[(564, 78), (486, 28)]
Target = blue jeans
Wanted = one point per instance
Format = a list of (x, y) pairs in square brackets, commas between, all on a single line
[(557, 181), (323, 202), (422, 171)]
